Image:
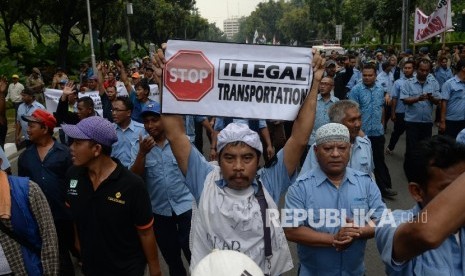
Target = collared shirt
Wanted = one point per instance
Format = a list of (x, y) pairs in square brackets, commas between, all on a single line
[(356, 77), (313, 192), (126, 137), (321, 115), (275, 178), (138, 106), (49, 174), (453, 91), (14, 92), (371, 101), (444, 260), (27, 110), (107, 219), (165, 182), (361, 157), (385, 80), (395, 94), (442, 75), (419, 112)]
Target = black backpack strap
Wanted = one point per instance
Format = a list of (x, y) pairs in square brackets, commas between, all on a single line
[(22, 241), (266, 228)]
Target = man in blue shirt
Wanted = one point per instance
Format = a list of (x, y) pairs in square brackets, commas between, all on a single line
[(45, 162), (419, 94), (324, 101), (453, 102), (227, 196), (28, 106), (341, 205), (371, 98), (127, 130), (152, 159), (346, 112), (428, 239), (398, 107), (442, 73)]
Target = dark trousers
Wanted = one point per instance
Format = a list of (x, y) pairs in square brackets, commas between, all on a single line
[(415, 133), (453, 128), (172, 234), (65, 234), (382, 176), (399, 129)]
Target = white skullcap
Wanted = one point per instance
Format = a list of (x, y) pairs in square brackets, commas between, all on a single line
[(226, 263), (332, 132), (238, 132)]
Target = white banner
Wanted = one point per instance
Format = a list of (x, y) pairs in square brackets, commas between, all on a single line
[(438, 22), (52, 96), (95, 96), (235, 80)]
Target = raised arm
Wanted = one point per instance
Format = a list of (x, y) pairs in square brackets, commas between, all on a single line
[(303, 124), (443, 216), (180, 144), (124, 76)]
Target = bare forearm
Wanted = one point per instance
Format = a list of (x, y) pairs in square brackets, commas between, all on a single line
[(139, 164), (443, 110), (149, 245)]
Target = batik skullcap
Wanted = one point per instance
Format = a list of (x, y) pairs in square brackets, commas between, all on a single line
[(332, 132), (238, 132)]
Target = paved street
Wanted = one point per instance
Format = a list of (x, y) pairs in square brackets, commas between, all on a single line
[(399, 182)]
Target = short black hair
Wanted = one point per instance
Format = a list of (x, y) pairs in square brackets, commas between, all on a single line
[(126, 102), (143, 84), (87, 101), (439, 151)]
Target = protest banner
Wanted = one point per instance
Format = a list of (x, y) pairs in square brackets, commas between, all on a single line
[(438, 22), (52, 96), (153, 95), (235, 80)]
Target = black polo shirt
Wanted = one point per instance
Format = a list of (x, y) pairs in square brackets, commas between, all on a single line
[(107, 220)]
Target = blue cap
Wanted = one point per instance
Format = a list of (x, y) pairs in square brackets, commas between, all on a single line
[(152, 107)]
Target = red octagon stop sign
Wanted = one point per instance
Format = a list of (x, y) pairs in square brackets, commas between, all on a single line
[(189, 75)]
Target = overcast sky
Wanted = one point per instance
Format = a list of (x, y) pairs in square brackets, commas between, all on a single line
[(218, 10)]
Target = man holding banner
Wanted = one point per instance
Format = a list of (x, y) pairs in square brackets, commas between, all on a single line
[(231, 198)]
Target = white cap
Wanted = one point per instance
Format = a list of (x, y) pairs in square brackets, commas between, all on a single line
[(227, 263), (332, 132), (238, 132)]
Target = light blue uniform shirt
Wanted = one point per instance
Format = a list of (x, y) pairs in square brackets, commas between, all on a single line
[(361, 157), (122, 148), (447, 259), (371, 101), (27, 110), (385, 80), (453, 91), (442, 75), (5, 164), (420, 112), (356, 77), (165, 182), (321, 115), (395, 94), (313, 191), (275, 179)]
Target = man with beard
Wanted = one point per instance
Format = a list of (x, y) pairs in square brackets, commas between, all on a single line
[(153, 159)]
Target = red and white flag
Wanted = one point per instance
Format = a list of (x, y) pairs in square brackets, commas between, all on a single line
[(438, 22)]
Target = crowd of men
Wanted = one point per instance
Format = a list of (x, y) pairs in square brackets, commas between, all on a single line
[(118, 186)]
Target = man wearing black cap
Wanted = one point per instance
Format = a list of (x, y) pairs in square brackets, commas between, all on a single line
[(109, 204)]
